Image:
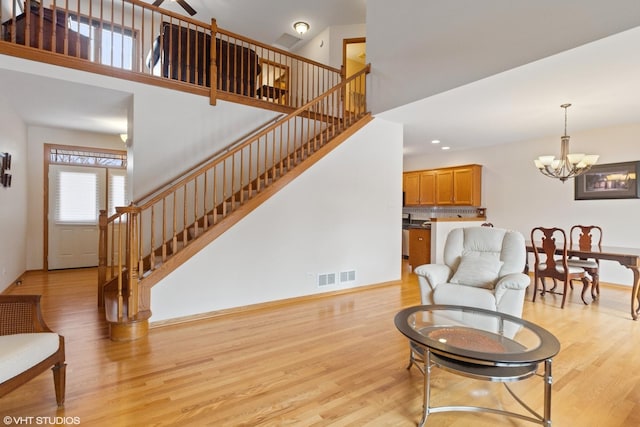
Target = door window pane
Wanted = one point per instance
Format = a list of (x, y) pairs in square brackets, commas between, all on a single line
[(71, 207)]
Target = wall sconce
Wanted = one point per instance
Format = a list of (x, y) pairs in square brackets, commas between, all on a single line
[(301, 27), (5, 164), (124, 137)]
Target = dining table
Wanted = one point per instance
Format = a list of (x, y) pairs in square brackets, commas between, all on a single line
[(625, 256)]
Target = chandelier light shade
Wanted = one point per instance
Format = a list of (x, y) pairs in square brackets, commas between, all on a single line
[(568, 165), (301, 27)]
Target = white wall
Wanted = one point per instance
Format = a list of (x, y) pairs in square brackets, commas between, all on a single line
[(171, 130), (519, 197), (341, 214), (37, 137), (13, 200), (326, 47)]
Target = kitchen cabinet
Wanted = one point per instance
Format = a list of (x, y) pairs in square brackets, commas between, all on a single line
[(419, 188), (419, 246), (411, 188), (459, 186)]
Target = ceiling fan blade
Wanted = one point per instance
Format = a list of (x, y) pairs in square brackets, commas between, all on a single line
[(157, 2), (191, 11)]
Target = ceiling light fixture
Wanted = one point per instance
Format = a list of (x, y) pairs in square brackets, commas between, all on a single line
[(568, 165), (435, 141), (301, 27)]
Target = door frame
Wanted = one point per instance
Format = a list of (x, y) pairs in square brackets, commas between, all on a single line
[(45, 176), (345, 43)]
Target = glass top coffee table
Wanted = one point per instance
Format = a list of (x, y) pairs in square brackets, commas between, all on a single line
[(480, 344)]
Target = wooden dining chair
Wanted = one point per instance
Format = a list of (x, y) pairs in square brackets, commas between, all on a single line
[(551, 261), (586, 237)]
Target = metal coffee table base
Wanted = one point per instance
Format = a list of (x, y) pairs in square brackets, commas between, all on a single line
[(472, 369)]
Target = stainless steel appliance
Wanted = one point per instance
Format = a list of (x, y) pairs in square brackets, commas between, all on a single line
[(406, 221)]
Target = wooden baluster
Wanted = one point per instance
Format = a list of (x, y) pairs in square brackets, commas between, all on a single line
[(185, 232), (164, 229), (40, 27), (152, 255), (231, 183), (27, 28), (215, 195), (213, 86), (138, 247), (122, 21), (250, 167), (224, 189), (98, 58), (195, 207), (242, 168), (273, 155), (265, 163), (111, 262), (188, 49), (174, 239), (77, 39), (205, 192)]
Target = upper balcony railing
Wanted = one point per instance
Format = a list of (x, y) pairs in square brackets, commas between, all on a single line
[(138, 41)]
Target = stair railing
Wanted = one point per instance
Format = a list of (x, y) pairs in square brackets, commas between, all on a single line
[(139, 239)]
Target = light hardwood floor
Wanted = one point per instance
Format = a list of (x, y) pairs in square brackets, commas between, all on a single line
[(330, 361)]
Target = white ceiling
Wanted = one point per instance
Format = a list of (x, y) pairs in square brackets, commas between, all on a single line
[(466, 72), (267, 20), (601, 80)]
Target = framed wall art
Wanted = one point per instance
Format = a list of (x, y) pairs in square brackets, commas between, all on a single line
[(609, 181)]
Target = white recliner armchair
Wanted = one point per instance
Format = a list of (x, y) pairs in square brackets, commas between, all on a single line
[(483, 267)]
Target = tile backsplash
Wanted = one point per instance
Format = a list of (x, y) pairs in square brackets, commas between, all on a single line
[(427, 212)]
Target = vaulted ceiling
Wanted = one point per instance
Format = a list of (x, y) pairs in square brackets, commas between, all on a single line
[(467, 72)]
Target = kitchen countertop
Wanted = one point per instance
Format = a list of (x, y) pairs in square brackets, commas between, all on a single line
[(456, 219), (417, 224), (426, 224)]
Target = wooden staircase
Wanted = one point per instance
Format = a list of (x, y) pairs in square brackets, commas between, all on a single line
[(143, 242)]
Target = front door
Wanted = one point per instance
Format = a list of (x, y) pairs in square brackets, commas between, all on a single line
[(76, 195)]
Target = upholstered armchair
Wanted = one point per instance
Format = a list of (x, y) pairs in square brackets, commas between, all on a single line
[(27, 346), (483, 267)]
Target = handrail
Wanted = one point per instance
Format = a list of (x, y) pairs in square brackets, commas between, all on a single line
[(142, 42), (168, 222), (278, 50)]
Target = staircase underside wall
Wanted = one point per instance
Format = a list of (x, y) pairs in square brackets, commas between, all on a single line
[(342, 215), (173, 131)]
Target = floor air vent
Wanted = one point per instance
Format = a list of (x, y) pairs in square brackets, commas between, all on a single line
[(326, 279)]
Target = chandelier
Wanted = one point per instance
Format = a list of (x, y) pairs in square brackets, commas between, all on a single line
[(568, 165)]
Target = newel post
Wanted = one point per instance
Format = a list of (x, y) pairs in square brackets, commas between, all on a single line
[(213, 68), (103, 245), (132, 244)]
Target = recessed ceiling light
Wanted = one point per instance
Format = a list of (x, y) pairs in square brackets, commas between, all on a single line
[(435, 141), (445, 148)]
